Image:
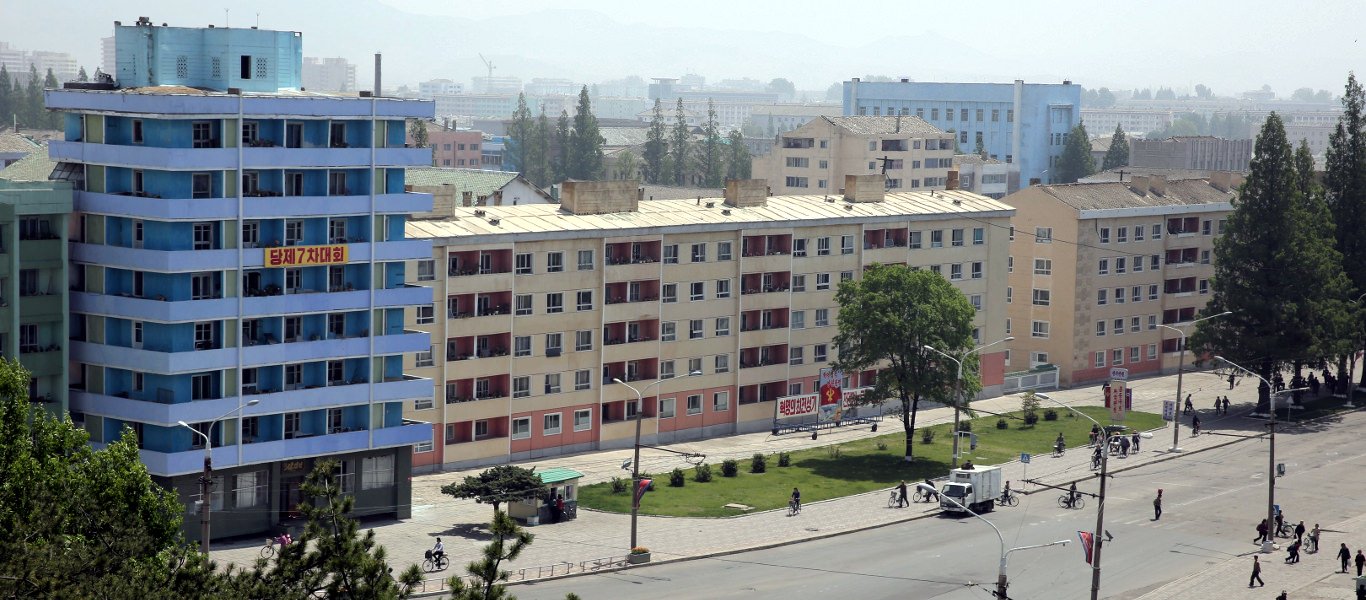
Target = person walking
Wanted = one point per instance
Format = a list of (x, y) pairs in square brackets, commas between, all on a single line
[(1263, 529), (1135, 444), (1123, 447), (1230, 381), (901, 501), (1299, 532), (1226, 406), (1345, 556), (1190, 408), (1157, 506), (1256, 573), (1314, 539), (1292, 554), (1361, 562)]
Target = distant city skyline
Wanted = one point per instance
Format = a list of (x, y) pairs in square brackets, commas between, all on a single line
[(1221, 44)]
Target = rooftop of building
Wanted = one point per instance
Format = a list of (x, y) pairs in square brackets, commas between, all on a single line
[(708, 213), (34, 167), (16, 143), (864, 125), (466, 180), (1112, 195), (623, 136), (182, 90), (679, 192), (974, 159), (1128, 173)]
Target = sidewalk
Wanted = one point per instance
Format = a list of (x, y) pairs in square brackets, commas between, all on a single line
[(596, 535)]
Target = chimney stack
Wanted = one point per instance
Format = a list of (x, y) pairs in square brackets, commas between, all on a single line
[(1139, 184), (741, 193), (377, 91), (865, 188)]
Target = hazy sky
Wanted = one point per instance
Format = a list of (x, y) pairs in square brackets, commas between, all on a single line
[(1232, 46)]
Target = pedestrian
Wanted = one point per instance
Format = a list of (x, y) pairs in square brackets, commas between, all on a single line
[(1230, 381), (1256, 573), (1314, 539), (1263, 528), (1190, 408), (1345, 556), (1280, 523), (1284, 596), (1361, 562), (1123, 447), (1157, 506), (559, 508), (1195, 424), (1135, 438), (1226, 405), (1217, 401), (1299, 532), (1292, 555), (901, 501)]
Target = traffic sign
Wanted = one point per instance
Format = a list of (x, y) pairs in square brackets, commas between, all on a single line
[(1168, 410), (1024, 457)]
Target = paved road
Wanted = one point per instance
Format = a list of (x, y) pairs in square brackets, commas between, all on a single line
[(1213, 500)]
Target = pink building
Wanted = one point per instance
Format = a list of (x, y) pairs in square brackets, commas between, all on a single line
[(454, 148)]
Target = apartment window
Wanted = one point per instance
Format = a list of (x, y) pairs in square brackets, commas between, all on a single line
[(521, 345), (1152, 292), (722, 326), (667, 331), (1100, 328), (522, 304), (553, 343), (521, 428), (722, 288), (846, 276), (1135, 324), (795, 355), (524, 264), (1119, 295), (584, 300), (671, 254), (979, 236), (1138, 264), (915, 240), (425, 358), (1043, 266), (695, 329), (695, 404), (554, 303), (1205, 227), (550, 424), (554, 262), (1204, 255), (937, 238), (1100, 359), (670, 292), (1104, 235), (521, 386), (722, 363), (823, 246), (694, 365), (720, 401), (1103, 267), (666, 408), (1120, 264), (426, 270), (976, 301), (977, 270), (819, 352), (666, 369), (822, 317), (1156, 231), (1136, 293), (1118, 328), (377, 472), (956, 237), (1122, 235), (699, 253), (1042, 297), (799, 247), (1152, 322), (799, 283), (1154, 262), (294, 233), (822, 281), (1043, 235), (426, 314), (979, 115), (1152, 351), (798, 319), (847, 244), (955, 272), (1010, 264), (552, 383), (1039, 329), (696, 291), (1117, 356), (1204, 286), (583, 340), (583, 419), (586, 260)]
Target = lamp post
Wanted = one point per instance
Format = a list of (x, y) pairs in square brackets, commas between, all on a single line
[(1096, 539), (206, 480), (1181, 367), (1001, 582), (958, 385), (635, 460), (1267, 545)]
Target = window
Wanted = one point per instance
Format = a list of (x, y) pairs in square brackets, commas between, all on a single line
[(554, 303), (822, 317), (696, 291), (1100, 359), (524, 263), (1155, 262), (521, 345), (426, 314), (977, 270), (377, 472), (583, 340), (1152, 292), (915, 240), (583, 419), (1152, 351), (1100, 328), (667, 331), (1120, 265), (522, 303), (799, 283), (426, 270), (1043, 266), (1156, 231), (796, 182), (846, 275), (1205, 227), (822, 281), (1043, 235), (552, 383), (1204, 255), (937, 238), (1037, 358), (798, 319), (425, 358), (1117, 356), (695, 329), (1039, 329), (584, 300), (1118, 328), (722, 363), (1010, 264), (955, 272), (521, 428), (723, 251), (1204, 286), (799, 247), (666, 369), (694, 365), (979, 236), (1104, 235), (521, 386), (250, 490), (1122, 235), (1119, 295), (722, 326), (585, 260), (1135, 324), (294, 235), (699, 253), (550, 424), (847, 244), (722, 288), (1042, 297), (670, 292), (819, 353), (956, 237), (666, 408), (553, 344), (823, 246), (1138, 264), (695, 404), (720, 401), (1152, 322), (554, 262), (671, 254)]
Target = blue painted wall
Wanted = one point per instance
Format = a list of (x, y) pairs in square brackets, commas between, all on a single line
[(146, 55)]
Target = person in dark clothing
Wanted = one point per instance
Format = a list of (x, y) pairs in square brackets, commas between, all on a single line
[(1256, 573), (1195, 425), (1124, 447), (1226, 405), (1280, 523), (1230, 381), (1157, 506), (1299, 532), (1361, 562), (1345, 556), (1135, 444), (1292, 553), (1190, 408), (930, 493), (1072, 495), (1263, 530), (901, 500), (1284, 596)]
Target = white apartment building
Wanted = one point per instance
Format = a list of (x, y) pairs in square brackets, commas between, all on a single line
[(329, 75), (816, 157)]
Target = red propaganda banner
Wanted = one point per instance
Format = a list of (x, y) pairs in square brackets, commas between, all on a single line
[(289, 256), (831, 395), (796, 406), (1086, 544)]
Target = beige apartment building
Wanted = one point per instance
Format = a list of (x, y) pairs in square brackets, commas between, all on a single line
[(816, 157), (540, 307), (1096, 267)]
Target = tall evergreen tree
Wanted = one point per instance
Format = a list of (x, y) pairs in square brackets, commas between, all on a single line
[(1076, 161), (739, 165), (7, 98), (519, 136), (585, 142), (680, 144), (1345, 183), (33, 100), (1118, 154), (81, 76), (559, 162), (538, 153), (656, 147), (710, 158), (1277, 269), (50, 119)]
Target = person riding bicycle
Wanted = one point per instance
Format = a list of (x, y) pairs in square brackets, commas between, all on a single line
[(284, 539), (1195, 425), (930, 493), (1005, 493), (1095, 458), (796, 501), (1072, 495), (438, 550), (1059, 444)]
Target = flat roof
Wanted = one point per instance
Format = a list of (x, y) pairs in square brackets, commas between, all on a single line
[(558, 474)]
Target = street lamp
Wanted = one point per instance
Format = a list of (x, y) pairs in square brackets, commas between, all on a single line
[(1181, 366), (958, 385), (206, 480), (1267, 545), (1001, 583), (635, 461), (1100, 499)]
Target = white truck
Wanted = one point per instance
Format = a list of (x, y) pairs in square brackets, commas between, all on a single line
[(976, 488)]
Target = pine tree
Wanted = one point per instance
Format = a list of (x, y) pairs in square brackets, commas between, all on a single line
[(709, 154), (585, 142), (50, 119), (81, 76), (8, 106), (1076, 161), (32, 116), (680, 144), (559, 163), (538, 153), (739, 165), (1277, 269), (1345, 193), (656, 147), (519, 136), (1118, 154)]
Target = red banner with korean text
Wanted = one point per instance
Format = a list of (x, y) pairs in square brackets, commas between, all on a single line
[(290, 256)]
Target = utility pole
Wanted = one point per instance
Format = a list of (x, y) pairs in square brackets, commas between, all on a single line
[(205, 499), (1096, 539)]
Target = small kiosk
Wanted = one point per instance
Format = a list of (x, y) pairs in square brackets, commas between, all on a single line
[(561, 489)]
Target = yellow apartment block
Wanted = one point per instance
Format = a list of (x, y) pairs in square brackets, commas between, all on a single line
[(816, 157)]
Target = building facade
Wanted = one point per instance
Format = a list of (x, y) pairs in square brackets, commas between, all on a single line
[(458, 148), (1096, 267), (816, 157), (1102, 121), (1200, 153), (329, 75), (776, 119), (237, 265), (439, 87), (34, 218), (542, 307), (986, 176), (1023, 123), (17, 62)]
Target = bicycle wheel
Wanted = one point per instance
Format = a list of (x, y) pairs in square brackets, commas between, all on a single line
[(1062, 501), (268, 551), (891, 501), (1010, 500), (1080, 503), (919, 496), (442, 563), (428, 566)]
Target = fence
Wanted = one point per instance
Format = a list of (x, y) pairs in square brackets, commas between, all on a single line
[(1031, 380), (438, 585)]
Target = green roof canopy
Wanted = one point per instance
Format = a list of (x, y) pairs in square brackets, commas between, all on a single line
[(558, 474)]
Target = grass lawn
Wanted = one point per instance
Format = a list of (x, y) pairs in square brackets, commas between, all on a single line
[(853, 467)]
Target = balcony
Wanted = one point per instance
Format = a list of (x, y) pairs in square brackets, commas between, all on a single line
[(409, 433), (148, 361), (142, 259), (170, 159), (276, 157), (145, 309)]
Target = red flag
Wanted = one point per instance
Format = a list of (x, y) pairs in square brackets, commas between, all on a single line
[(641, 487), (1085, 544)]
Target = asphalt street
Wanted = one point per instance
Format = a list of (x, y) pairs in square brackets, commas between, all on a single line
[(1212, 503)]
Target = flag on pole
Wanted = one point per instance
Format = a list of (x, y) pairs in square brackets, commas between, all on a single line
[(1086, 544), (641, 487)]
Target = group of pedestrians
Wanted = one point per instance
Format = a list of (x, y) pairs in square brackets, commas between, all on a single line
[(1304, 538), (1221, 405)]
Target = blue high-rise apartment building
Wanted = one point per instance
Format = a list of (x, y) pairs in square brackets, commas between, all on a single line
[(237, 271), (1020, 123)]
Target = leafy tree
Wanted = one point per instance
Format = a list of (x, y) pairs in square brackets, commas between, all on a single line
[(1278, 271), (628, 166), (559, 163), (585, 142), (656, 147), (1105, 98), (739, 165), (1118, 154), (1323, 96), (1345, 193), (680, 145), (835, 93), (783, 88), (82, 523), (1303, 95), (331, 559), (417, 128), (1203, 91), (1143, 94), (885, 320), (81, 76), (1076, 160), (488, 579), (1165, 94), (503, 483), (711, 160), (520, 132)]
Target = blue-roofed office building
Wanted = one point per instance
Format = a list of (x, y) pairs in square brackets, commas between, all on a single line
[(1022, 123), (240, 240)]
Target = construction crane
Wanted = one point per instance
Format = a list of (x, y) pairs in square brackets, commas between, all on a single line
[(487, 63)]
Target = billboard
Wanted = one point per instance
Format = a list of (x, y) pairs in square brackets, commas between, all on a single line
[(290, 256), (802, 405), (831, 395)]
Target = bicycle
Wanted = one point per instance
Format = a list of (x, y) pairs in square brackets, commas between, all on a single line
[(1009, 499), (894, 500), (793, 508), (1076, 503), (435, 563), (269, 550), (1059, 451)]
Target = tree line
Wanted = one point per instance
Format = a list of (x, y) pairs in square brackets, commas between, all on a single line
[(23, 102), (546, 154)]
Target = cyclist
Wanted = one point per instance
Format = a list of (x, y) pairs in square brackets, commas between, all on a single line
[(1195, 425), (438, 550), (796, 501), (1095, 458), (1059, 444), (1006, 492), (1072, 495)]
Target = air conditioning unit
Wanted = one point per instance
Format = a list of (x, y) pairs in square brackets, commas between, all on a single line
[(552, 352)]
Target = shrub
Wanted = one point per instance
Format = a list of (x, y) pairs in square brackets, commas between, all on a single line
[(676, 478), (927, 436), (758, 463), (1050, 415), (701, 473), (640, 550), (784, 459), (1029, 403), (882, 445), (832, 451), (1002, 424), (1030, 418), (730, 467), (965, 426), (619, 485)]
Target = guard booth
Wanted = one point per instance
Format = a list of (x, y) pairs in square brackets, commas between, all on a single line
[(559, 483)]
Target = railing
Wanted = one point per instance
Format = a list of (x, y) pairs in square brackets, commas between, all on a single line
[(1031, 380), (606, 563)]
